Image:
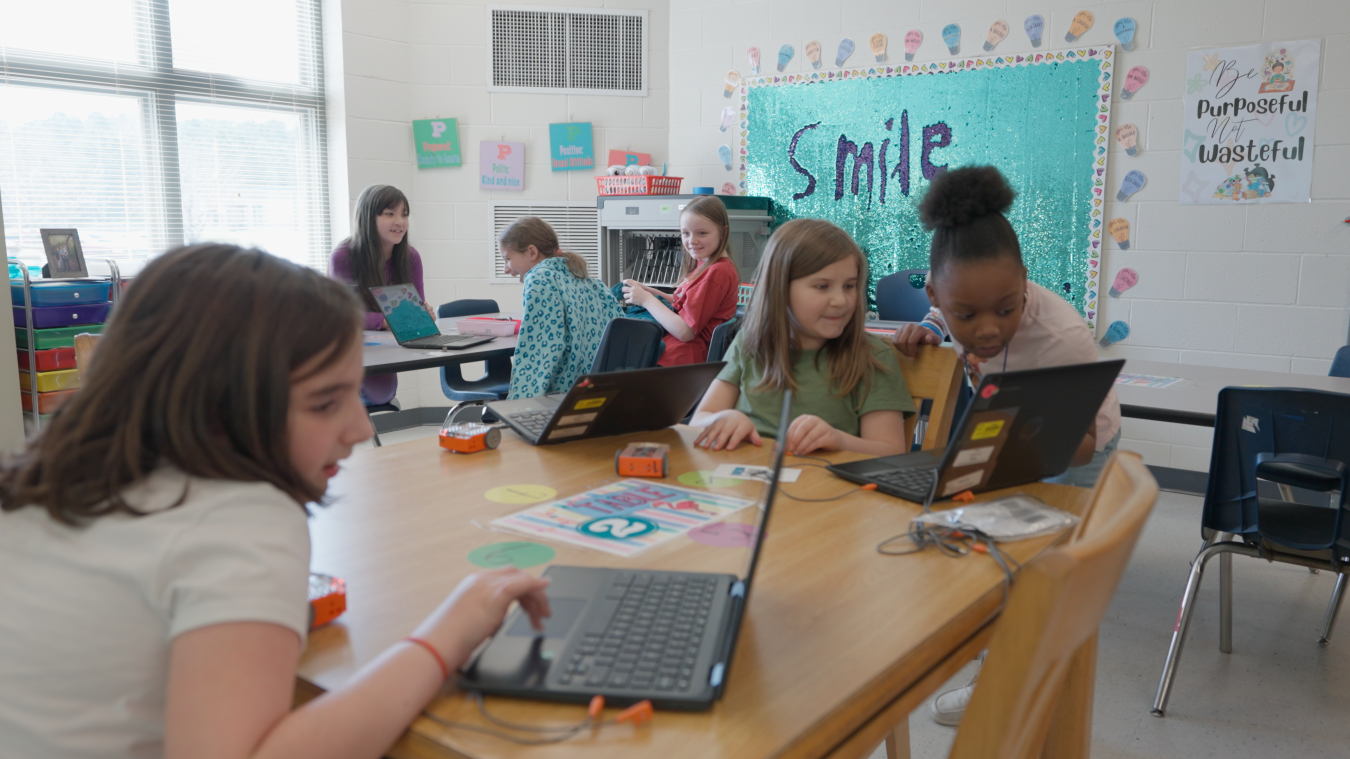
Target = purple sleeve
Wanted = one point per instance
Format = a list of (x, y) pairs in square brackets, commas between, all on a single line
[(340, 268)]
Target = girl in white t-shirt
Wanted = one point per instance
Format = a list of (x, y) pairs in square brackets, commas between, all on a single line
[(154, 553)]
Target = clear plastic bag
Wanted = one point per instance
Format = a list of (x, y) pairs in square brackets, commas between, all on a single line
[(1016, 517)]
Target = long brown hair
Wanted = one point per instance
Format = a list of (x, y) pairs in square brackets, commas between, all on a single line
[(799, 249), (713, 209), (532, 230), (366, 256), (194, 371)]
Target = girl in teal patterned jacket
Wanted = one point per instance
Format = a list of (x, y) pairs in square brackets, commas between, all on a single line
[(566, 311)]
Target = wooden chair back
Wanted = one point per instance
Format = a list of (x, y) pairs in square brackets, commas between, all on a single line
[(1055, 608), (85, 344), (934, 374)]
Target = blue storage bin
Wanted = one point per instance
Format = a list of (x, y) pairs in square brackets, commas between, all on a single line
[(63, 316), (48, 292)]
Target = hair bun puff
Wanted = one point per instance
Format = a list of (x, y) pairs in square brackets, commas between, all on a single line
[(959, 196)]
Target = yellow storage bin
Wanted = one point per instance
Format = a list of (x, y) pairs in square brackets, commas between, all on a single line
[(65, 379)]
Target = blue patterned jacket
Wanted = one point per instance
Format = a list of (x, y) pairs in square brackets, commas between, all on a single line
[(560, 333)]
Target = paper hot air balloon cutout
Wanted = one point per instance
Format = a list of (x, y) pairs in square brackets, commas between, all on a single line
[(813, 53), (728, 117), (1115, 333), (1125, 279), (1035, 26), (997, 31), (1128, 137), (1120, 229), (845, 50), (724, 153), (878, 45), (951, 34), (752, 55), (913, 38), (1136, 78), (1124, 30), (733, 81), (1131, 184), (1082, 21), (785, 54)]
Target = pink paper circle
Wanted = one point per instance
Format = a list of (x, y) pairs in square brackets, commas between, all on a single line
[(725, 534)]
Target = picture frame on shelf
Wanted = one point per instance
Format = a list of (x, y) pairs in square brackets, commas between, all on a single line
[(65, 257)]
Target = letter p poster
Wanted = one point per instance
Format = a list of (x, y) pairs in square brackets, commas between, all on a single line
[(1249, 118)]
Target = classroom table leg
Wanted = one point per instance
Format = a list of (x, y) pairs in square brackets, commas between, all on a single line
[(897, 743)]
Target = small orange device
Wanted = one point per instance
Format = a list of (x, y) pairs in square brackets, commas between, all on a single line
[(964, 496), (643, 460), (327, 599), (470, 437)]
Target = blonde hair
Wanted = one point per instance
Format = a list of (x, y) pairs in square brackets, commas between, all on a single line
[(799, 249), (532, 230), (711, 208)]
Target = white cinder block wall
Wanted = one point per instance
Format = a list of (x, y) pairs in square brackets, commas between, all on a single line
[(418, 60), (1260, 287)]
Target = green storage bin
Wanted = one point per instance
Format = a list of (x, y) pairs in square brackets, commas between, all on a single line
[(58, 337)]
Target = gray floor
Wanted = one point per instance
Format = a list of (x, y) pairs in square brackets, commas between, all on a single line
[(1277, 694)]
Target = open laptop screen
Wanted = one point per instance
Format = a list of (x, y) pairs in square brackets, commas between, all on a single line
[(403, 311)]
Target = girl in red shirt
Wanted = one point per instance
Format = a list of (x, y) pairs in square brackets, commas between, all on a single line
[(706, 295)]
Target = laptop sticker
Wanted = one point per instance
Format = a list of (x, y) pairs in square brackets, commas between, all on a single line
[(586, 403), (964, 482), (562, 432), (973, 456), (578, 418), (986, 430)]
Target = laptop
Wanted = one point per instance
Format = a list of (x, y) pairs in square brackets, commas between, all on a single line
[(628, 635), (1020, 427), (412, 324), (610, 403)]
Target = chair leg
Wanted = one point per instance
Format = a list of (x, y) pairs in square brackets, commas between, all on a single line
[(1226, 603), (374, 432), (1286, 493), (1333, 609), (897, 741)]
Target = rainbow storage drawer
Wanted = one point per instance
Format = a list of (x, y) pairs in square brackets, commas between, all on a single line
[(59, 337), (56, 293), (47, 382), (49, 360), (62, 316), (47, 402)]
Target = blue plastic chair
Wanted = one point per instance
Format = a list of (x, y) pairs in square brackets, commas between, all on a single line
[(898, 300), (1340, 366), (492, 386), (629, 344), (721, 338), (1290, 437)]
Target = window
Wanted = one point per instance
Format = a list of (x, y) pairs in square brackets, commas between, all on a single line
[(147, 124)]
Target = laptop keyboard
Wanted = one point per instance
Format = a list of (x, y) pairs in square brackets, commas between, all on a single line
[(440, 341), (653, 639), (914, 482), (532, 421)]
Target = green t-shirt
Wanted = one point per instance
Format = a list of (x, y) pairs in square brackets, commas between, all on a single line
[(887, 391)]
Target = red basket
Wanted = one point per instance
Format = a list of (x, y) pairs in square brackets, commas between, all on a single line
[(639, 185)]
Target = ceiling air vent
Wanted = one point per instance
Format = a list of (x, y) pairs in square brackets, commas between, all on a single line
[(583, 51), (576, 224)]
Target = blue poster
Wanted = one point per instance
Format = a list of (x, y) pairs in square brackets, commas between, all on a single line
[(858, 147), (571, 147)]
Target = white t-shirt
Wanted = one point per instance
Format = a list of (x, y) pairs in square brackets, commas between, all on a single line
[(89, 612)]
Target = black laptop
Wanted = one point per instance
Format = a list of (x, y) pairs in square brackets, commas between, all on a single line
[(628, 635), (610, 403), (1020, 427), (412, 324)]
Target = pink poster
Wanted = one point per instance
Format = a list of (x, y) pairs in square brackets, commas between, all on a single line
[(501, 165)]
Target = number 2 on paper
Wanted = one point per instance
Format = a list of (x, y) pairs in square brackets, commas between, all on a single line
[(616, 528)]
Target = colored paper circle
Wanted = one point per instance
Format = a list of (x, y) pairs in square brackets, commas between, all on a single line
[(521, 494), (519, 554), (705, 479), (616, 528), (725, 534)]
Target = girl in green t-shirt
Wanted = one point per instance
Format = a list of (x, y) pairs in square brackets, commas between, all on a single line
[(804, 331)]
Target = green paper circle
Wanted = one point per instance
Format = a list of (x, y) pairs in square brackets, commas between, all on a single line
[(518, 554), (705, 479), (616, 528)]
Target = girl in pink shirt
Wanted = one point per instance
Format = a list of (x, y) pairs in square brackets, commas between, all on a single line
[(997, 319)]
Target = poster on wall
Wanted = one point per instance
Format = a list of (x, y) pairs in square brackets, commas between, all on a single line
[(571, 146), (501, 165), (437, 142), (1250, 113), (859, 146)]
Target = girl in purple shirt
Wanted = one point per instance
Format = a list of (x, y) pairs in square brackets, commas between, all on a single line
[(378, 254)]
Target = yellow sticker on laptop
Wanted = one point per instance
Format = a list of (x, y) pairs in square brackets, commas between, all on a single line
[(589, 403), (987, 430)]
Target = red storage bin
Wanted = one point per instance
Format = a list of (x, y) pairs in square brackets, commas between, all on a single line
[(50, 360), (47, 402)]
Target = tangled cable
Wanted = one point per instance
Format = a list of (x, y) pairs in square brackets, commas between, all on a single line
[(638, 714)]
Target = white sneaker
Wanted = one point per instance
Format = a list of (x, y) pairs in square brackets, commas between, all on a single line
[(949, 707)]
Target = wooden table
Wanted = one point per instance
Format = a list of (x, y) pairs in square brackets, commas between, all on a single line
[(1196, 399), (386, 356), (837, 639)]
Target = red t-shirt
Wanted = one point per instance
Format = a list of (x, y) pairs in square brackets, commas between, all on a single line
[(703, 304)]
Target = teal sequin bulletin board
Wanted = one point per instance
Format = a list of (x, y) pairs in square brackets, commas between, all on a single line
[(858, 147)]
